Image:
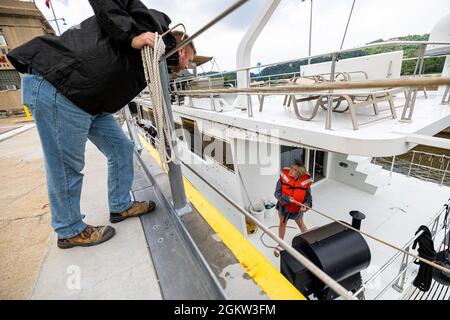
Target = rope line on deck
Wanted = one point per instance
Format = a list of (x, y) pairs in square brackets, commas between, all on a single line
[(150, 59)]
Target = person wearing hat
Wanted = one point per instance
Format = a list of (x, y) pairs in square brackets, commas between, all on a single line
[(73, 83)]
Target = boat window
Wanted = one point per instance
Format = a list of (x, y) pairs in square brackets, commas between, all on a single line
[(314, 160), (147, 114), (317, 164), (219, 150), (193, 137), (291, 155)]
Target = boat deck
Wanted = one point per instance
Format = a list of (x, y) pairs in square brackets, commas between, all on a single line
[(378, 135), (393, 214)]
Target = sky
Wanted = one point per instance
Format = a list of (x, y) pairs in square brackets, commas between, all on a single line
[(286, 36)]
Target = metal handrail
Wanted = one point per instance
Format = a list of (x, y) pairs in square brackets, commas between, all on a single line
[(411, 82), (442, 158), (334, 285), (295, 72), (374, 45), (395, 256), (431, 154), (433, 221), (401, 272)]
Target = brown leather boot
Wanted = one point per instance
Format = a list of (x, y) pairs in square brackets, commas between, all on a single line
[(90, 236), (137, 209)]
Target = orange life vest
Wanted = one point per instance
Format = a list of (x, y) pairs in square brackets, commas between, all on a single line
[(294, 188)]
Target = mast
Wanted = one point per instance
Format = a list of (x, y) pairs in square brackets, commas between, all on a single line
[(246, 45)]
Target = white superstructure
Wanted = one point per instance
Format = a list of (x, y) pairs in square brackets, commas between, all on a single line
[(240, 150)]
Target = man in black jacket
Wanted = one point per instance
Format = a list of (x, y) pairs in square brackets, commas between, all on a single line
[(72, 85)]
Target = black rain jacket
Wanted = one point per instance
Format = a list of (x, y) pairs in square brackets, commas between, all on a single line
[(93, 64)]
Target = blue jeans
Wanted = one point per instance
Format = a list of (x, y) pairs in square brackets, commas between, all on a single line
[(64, 129)]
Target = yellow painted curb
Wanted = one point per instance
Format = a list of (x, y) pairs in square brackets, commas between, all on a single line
[(27, 112)]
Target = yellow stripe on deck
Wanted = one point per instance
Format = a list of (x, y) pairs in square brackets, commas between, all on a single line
[(255, 264)]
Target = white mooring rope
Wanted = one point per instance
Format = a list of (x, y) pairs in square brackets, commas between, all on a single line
[(150, 59)]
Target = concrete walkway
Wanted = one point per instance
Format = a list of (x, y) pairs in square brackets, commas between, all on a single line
[(118, 269), (25, 229)]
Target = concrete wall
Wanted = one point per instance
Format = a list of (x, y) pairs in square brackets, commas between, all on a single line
[(10, 100), (20, 22)]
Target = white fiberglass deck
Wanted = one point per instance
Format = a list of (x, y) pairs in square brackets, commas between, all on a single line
[(393, 214), (378, 135)]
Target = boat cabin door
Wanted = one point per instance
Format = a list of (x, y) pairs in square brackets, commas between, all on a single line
[(313, 160)]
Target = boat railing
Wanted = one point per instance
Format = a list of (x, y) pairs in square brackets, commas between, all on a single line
[(410, 93), (399, 281), (288, 75), (422, 44), (420, 164), (179, 201), (133, 125)]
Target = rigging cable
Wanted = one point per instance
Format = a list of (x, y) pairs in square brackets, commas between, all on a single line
[(348, 23)]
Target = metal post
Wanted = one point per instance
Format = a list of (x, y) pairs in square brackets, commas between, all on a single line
[(307, 158), (132, 129), (410, 102), (314, 166), (445, 173), (400, 284), (249, 97), (411, 164), (431, 166), (392, 167), (330, 97), (446, 96), (211, 96), (435, 226), (139, 112), (175, 175), (177, 97), (310, 31)]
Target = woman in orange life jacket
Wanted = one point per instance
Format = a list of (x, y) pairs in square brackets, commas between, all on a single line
[(293, 189)]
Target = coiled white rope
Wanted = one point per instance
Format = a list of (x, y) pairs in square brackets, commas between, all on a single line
[(150, 59)]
